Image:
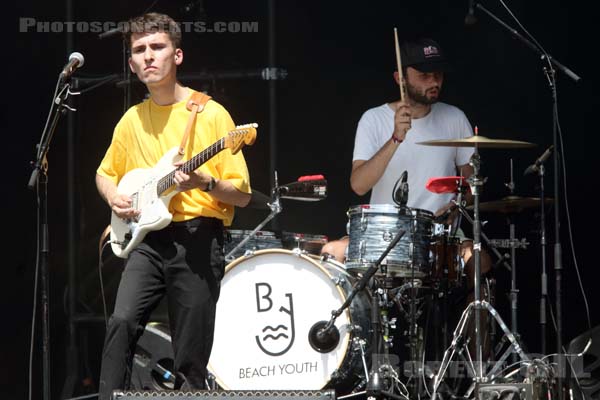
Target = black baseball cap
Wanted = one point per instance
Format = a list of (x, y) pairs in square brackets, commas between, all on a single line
[(424, 55)]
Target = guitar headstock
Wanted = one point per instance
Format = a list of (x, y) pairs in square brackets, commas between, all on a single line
[(239, 137)]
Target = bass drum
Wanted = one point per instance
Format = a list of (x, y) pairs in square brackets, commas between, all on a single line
[(269, 302)]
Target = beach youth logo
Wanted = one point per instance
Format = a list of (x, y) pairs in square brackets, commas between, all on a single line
[(278, 332)]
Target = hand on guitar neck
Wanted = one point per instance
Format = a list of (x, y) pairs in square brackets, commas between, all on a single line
[(193, 180)]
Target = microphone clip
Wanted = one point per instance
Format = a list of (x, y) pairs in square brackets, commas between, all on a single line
[(400, 191)]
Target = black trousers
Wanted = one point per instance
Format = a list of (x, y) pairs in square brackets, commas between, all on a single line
[(185, 262)]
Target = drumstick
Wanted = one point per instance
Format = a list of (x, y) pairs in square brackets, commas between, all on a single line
[(399, 65)]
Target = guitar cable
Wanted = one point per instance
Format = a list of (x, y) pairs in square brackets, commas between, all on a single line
[(102, 293)]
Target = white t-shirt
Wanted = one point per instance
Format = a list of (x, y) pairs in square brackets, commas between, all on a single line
[(422, 162)]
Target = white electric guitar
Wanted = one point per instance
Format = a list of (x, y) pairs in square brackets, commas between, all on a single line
[(152, 189)]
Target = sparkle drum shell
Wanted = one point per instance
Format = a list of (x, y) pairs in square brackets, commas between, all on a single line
[(372, 227)]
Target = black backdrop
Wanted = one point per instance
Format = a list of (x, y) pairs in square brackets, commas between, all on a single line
[(340, 60)]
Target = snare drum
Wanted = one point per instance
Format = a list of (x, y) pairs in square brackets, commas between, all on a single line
[(262, 240), (447, 262), (269, 302), (308, 243), (371, 229)]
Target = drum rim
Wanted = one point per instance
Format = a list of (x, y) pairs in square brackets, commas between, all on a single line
[(382, 208), (346, 347), (248, 232), (307, 237)]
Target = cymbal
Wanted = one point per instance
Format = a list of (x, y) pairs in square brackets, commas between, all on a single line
[(259, 200), (511, 204), (479, 141)]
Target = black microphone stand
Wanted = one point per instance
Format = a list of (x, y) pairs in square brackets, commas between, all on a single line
[(325, 332), (544, 285), (549, 72), (38, 181)]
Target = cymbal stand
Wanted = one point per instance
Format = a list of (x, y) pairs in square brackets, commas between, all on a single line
[(544, 293), (514, 292), (476, 183), (490, 242), (275, 207), (475, 307)]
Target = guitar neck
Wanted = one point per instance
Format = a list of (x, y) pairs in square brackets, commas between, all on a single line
[(194, 163)]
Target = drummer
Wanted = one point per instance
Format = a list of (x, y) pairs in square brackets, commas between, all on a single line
[(385, 145)]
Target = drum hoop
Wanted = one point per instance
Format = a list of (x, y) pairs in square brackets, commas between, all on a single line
[(346, 344), (303, 237), (258, 234), (338, 266), (386, 209)]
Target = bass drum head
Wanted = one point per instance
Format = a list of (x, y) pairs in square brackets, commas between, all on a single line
[(269, 301)]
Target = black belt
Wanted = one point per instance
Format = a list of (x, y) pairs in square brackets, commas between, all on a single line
[(208, 222)]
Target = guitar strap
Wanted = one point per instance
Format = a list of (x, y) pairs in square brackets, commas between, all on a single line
[(195, 105)]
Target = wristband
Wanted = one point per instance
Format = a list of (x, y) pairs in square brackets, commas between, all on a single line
[(211, 185)]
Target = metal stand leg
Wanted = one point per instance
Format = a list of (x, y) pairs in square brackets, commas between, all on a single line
[(477, 306), (514, 292), (458, 342), (544, 283)]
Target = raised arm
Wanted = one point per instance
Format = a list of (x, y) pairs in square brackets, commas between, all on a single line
[(366, 173)]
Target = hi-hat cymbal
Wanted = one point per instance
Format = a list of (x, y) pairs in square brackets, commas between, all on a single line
[(511, 204), (479, 141), (258, 201)]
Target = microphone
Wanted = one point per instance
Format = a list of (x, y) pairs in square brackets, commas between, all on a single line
[(164, 373), (323, 338), (401, 190), (111, 32), (76, 60), (470, 18), (535, 167)]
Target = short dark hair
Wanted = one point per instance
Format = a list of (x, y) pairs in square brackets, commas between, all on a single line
[(154, 22)]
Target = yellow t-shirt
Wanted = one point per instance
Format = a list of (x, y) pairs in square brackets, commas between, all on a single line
[(147, 131)]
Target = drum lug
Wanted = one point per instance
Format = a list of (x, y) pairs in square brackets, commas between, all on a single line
[(297, 251), (364, 222), (353, 328), (338, 281), (362, 246), (335, 375)]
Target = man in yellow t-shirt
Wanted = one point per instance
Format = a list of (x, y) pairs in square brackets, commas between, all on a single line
[(183, 261)]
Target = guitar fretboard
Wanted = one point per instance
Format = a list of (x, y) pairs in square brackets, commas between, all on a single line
[(194, 163)]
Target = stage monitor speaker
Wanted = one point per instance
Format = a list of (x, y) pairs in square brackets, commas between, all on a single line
[(587, 367), (505, 391), (229, 394), (153, 360)]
